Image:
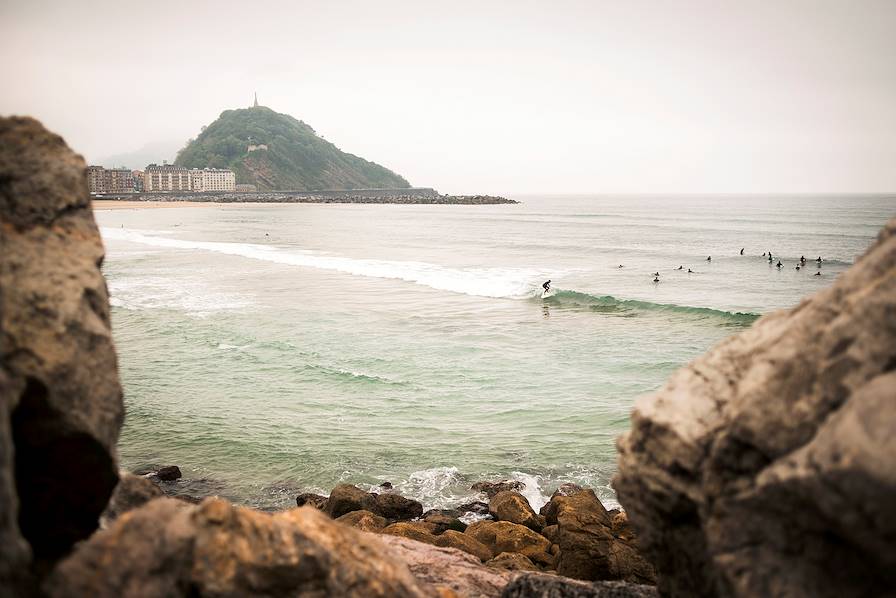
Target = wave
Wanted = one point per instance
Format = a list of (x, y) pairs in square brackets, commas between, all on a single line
[(608, 303)]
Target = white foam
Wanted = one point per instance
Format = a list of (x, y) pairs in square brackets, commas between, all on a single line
[(532, 489), (152, 292), (483, 282)]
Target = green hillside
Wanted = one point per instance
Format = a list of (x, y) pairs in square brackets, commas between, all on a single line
[(296, 158)]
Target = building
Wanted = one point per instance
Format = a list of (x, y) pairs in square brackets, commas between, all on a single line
[(177, 178), (166, 178), (138, 180), (110, 180)]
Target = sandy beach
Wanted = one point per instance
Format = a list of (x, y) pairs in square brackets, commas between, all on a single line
[(124, 204)]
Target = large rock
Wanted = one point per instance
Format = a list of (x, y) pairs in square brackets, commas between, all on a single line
[(513, 507), (346, 498), (60, 399), (490, 489), (395, 506), (512, 561), (364, 521), (312, 500), (768, 466), (503, 536), (461, 541), (439, 569), (169, 548), (131, 492), (544, 586)]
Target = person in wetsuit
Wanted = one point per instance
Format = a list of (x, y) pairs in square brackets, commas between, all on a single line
[(546, 286)]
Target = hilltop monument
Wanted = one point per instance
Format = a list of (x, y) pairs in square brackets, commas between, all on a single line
[(255, 105)]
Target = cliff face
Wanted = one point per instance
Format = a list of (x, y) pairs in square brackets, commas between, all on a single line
[(767, 467), (60, 399), (294, 157)]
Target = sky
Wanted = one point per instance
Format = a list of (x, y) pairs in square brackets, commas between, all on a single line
[(507, 97)]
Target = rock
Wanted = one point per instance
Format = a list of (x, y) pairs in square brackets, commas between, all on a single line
[(312, 500), (476, 507), (346, 498), (364, 521), (395, 506), (443, 570), (550, 586), (513, 507), (386, 486), (503, 536), (766, 466), (512, 561), (588, 548), (131, 492), (169, 548), (415, 530), (169, 473), (461, 541), (444, 522), (550, 532), (490, 489), (60, 398)]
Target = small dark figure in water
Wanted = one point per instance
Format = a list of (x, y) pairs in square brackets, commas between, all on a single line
[(741, 250), (797, 266), (763, 254), (770, 260), (681, 267), (620, 265), (656, 273), (818, 274), (546, 286), (656, 279), (709, 258), (818, 259), (779, 264), (802, 259), (690, 271)]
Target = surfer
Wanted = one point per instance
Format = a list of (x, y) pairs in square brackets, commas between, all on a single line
[(818, 259), (620, 265), (797, 266), (770, 260), (546, 286), (803, 259), (656, 279), (818, 274), (709, 258), (741, 250), (681, 267), (779, 264), (656, 273), (690, 271)]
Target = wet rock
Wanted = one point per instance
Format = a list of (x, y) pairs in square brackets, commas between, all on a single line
[(415, 530), (131, 492), (346, 498), (169, 473), (168, 548), (476, 507), (395, 506), (490, 489), (364, 521), (386, 485), (766, 466), (60, 398), (312, 500), (503, 536), (549, 586), (443, 570), (513, 507), (444, 522), (461, 541), (588, 548), (550, 532), (512, 561)]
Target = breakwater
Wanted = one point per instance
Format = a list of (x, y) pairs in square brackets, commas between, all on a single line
[(418, 195)]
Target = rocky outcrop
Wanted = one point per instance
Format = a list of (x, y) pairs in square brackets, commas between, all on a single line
[(346, 498), (170, 548), (503, 536), (442, 570), (766, 466), (461, 541), (131, 492), (312, 500), (513, 507), (512, 561), (364, 521), (543, 586), (169, 473), (490, 489), (60, 398)]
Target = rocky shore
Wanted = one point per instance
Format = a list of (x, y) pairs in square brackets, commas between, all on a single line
[(764, 468), (374, 196)]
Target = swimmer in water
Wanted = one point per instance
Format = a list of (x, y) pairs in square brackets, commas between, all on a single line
[(690, 271), (620, 265), (818, 274), (709, 258), (779, 264), (656, 279), (741, 250), (797, 266), (681, 267)]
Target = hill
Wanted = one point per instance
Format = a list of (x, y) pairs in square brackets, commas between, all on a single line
[(296, 158)]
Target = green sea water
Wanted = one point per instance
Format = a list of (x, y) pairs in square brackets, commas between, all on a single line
[(274, 349)]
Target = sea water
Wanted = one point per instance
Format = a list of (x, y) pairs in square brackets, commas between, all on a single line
[(274, 349)]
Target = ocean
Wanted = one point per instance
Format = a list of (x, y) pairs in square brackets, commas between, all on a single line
[(274, 349)]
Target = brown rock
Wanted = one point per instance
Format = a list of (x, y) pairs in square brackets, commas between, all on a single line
[(168, 548), (513, 507), (364, 521), (312, 500), (346, 498), (169, 473), (766, 466), (550, 532), (60, 398), (445, 522), (490, 489), (395, 506), (512, 561), (447, 569), (503, 536), (415, 530), (552, 586), (461, 541), (478, 507), (131, 492)]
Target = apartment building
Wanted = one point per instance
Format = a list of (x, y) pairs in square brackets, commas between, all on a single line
[(110, 180)]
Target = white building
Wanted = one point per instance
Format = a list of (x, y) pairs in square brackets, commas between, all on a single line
[(178, 178), (215, 179)]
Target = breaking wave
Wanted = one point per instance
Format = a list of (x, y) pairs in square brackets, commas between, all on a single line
[(608, 303)]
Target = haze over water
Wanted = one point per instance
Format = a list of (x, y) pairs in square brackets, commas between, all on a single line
[(273, 349)]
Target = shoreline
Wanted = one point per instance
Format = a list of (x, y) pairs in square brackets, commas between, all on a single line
[(417, 196)]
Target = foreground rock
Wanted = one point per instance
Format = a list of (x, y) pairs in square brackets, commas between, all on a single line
[(766, 467), (170, 548), (131, 492), (513, 507), (60, 398), (543, 586), (346, 498)]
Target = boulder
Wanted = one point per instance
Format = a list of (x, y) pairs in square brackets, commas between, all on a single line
[(60, 399), (550, 586), (513, 507), (415, 530), (444, 522), (395, 506), (131, 492), (169, 473), (312, 500), (170, 548), (503, 536), (364, 521), (346, 498), (476, 507), (512, 561), (490, 489), (588, 548), (461, 541), (448, 572), (766, 466)]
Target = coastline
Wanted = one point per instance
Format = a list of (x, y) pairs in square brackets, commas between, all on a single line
[(126, 204), (421, 196)]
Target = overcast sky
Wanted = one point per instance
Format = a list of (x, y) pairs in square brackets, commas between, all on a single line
[(498, 97)]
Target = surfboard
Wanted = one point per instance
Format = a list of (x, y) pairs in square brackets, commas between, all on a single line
[(548, 293)]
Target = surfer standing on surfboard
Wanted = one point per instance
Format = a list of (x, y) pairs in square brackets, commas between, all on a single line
[(546, 286)]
